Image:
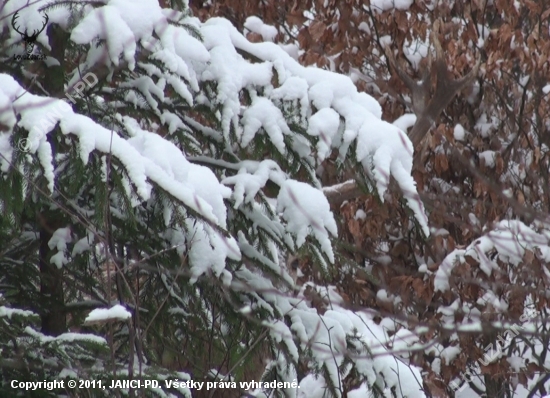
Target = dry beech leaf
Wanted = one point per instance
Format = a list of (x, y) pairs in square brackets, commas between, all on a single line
[(304, 38), (254, 37), (441, 163), (316, 30), (470, 260)]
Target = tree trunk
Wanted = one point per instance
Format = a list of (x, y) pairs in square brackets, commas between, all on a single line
[(53, 318), (51, 288)]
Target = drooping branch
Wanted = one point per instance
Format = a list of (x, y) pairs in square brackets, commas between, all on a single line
[(429, 98), (339, 193)]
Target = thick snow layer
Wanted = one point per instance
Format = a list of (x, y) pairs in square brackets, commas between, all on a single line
[(252, 177), (107, 24), (206, 185), (105, 314), (256, 25), (325, 124), (209, 250), (281, 333), (251, 101), (162, 152), (60, 238), (386, 150), (382, 148), (379, 144), (384, 5), (264, 114), (307, 211), (294, 89), (9, 312)]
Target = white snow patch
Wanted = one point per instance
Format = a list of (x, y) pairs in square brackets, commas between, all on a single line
[(488, 157), (324, 124), (307, 211), (459, 133), (360, 214), (449, 354), (385, 5), (105, 314), (256, 25), (405, 121)]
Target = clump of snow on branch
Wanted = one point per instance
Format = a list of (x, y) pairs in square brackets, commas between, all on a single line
[(382, 148), (325, 124), (106, 314), (509, 239), (256, 25), (306, 210), (330, 337), (264, 114), (380, 145), (59, 241), (332, 111), (385, 5), (405, 121), (251, 177)]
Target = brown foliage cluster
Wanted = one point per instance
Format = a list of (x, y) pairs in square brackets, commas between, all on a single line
[(496, 170)]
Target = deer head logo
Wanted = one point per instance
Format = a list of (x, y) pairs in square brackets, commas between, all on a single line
[(29, 40)]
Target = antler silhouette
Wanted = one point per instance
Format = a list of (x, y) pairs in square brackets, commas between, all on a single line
[(15, 16), (29, 38)]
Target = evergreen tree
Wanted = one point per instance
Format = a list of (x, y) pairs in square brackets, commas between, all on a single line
[(469, 80), (156, 172)]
